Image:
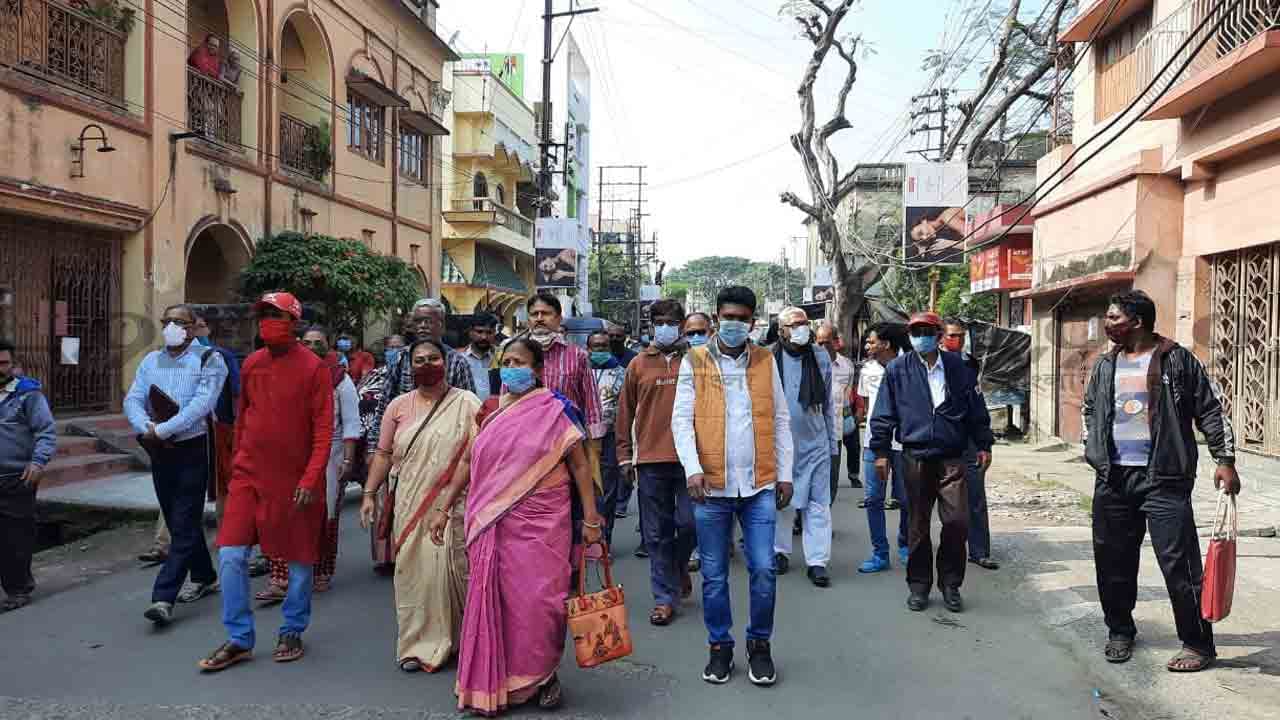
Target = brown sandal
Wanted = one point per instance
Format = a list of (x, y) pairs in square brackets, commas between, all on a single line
[(661, 615), (288, 649), (1189, 661), (225, 656)]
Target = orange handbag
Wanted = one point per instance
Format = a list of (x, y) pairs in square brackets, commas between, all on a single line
[(598, 621)]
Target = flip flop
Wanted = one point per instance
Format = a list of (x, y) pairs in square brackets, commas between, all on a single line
[(662, 615), (272, 595), (1189, 661), (288, 649), (225, 656)]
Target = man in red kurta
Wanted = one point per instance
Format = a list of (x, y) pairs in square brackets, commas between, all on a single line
[(277, 492)]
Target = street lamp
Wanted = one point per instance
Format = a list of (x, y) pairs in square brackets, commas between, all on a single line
[(77, 150)]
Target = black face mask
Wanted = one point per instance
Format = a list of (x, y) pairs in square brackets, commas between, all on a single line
[(619, 347)]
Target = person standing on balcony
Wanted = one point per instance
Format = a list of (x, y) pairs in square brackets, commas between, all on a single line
[(230, 71), (1137, 416), (28, 441), (169, 405), (208, 57)]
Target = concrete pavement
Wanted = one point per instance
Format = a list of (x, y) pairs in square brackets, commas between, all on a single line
[(88, 653)]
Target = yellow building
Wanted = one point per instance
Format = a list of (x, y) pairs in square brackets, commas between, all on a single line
[(131, 179), (487, 259)]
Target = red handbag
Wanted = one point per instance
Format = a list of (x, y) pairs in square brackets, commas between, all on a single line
[(1220, 562), (598, 621)]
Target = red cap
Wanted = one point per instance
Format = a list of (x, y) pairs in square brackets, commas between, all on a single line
[(925, 318), (281, 301)]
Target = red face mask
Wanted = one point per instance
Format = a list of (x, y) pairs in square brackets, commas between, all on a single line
[(428, 375), (276, 332), (952, 344)]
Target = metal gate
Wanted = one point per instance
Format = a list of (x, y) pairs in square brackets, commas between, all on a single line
[(65, 283), (1080, 341), (1243, 342)]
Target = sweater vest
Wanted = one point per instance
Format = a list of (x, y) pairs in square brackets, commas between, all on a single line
[(709, 415)]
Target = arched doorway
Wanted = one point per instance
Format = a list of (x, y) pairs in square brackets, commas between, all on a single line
[(225, 107), (215, 257)]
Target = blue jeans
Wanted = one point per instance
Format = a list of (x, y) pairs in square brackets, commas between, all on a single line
[(758, 517), (237, 614), (181, 478), (875, 502), (979, 523), (611, 479), (666, 524)]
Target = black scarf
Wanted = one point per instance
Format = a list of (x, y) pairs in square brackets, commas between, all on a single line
[(813, 391)]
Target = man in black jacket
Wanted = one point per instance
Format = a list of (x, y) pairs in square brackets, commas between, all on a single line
[(1138, 409), (931, 400)]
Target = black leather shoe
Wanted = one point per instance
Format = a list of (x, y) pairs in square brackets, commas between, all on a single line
[(781, 564), (917, 601), (951, 598), (819, 577)]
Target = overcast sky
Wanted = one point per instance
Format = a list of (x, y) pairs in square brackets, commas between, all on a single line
[(703, 93)]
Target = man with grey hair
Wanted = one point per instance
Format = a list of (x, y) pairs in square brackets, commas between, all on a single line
[(806, 382), (426, 321)]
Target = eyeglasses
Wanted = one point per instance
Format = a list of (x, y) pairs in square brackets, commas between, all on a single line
[(696, 333), (176, 321)]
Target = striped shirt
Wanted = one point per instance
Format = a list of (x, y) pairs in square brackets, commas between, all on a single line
[(566, 368), (457, 373), (194, 388), (1131, 429)]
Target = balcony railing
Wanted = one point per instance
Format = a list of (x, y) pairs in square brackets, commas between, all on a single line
[(508, 218), (295, 151), (50, 40), (1162, 51), (213, 107)]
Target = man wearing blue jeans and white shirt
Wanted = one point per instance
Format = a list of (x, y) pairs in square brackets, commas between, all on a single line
[(191, 376), (732, 431), (880, 352)]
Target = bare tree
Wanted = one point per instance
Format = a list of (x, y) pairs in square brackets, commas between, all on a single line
[(1023, 55), (820, 22)]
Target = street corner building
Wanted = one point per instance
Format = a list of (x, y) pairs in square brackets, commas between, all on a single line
[(146, 157), (1175, 206)]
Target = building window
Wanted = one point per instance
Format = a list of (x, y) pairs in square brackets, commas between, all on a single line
[(479, 191), (365, 126), (366, 235), (413, 155), (1118, 77), (501, 195)]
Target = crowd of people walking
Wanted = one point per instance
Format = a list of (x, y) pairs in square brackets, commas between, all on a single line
[(486, 472)]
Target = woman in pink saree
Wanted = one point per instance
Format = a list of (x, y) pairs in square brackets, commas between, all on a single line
[(518, 540)]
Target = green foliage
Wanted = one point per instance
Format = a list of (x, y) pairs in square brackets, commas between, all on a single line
[(706, 276), (348, 279), (318, 146), (1109, 260), (617, 273), (112, 13), (677, 290), (910, 289)]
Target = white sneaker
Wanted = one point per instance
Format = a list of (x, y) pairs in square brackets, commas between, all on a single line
[(160, 613)]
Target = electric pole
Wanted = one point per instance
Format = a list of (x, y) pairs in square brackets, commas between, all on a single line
[(544, 136), (926, 129)]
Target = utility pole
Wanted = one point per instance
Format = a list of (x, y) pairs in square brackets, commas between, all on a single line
[(544, 137), (639, 252), (941, 127)]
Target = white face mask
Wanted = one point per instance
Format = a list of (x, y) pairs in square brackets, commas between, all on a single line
[(174, 336), (800, 336)]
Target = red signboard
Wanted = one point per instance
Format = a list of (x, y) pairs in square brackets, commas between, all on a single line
[(1005, 266)]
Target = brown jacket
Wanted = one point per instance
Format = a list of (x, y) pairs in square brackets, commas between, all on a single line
[(648, 394)]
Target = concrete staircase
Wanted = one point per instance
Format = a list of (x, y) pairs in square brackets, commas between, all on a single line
[(92, 448)]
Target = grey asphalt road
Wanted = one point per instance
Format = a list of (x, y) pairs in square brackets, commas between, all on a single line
[(849, 651)]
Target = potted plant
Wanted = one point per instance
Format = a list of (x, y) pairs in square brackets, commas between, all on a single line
[(318, 146), (111, 13)]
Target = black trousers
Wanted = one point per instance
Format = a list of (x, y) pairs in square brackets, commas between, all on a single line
[(1125, 506), (936, 482), (852, 450), (17, 543), (835, 477), (181, 478)]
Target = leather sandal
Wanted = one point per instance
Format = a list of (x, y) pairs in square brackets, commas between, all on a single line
[(288, 649), (225, 656), (1188, 661), (662, 615), (271, 595)]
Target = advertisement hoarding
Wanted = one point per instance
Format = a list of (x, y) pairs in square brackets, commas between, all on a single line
[(934, 196)]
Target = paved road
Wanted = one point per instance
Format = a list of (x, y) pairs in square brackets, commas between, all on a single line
[(88, 653)]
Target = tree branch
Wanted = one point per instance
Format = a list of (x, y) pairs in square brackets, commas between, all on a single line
[(794, 201), (997, 68), (1023, 87)]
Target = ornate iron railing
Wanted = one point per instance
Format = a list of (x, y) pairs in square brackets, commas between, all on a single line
[(508, 218), (213, 107), (293, 147), (50, 40), (1162, 51)]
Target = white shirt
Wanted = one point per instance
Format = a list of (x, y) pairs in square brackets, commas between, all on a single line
[(8, 389), (346, 412), (842, 372), (740, 443), (191, 384), (937, 379), (869, 387)]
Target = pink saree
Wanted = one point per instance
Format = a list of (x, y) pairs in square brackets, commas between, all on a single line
[(518, 543)]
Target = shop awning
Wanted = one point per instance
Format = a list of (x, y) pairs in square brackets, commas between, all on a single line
[(375, 91), (1111, 277), (422, 122)]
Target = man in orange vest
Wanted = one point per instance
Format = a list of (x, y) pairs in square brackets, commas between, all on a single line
[(732, 431)]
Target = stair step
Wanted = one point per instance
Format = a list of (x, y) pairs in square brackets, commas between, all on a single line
[(74, 446), (84, 467), (100, 423)]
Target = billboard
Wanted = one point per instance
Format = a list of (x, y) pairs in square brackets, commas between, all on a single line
[(507, 67), (934, 196), (1006, 266), (556, 267)]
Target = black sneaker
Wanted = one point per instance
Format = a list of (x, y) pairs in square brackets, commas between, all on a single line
[(781, 564), (720, 667), (917, 602), (160, 613), (760, 663)]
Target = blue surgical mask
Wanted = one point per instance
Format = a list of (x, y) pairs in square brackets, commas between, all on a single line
[(666, 335), (393, 355), (924, 345), (344, 345), (600, 357), (733, 333), (204, 341), (518, 379), (697, 340)]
